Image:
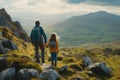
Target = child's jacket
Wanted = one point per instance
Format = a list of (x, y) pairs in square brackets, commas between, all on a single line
[(53, 49)]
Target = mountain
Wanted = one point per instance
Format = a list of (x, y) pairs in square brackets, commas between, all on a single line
[(90, 28), (14, 26)]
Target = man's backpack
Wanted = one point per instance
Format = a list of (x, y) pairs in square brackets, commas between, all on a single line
[(36, 35), (52, 44)]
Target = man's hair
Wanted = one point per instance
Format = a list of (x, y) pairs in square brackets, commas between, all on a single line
[(37, 23)]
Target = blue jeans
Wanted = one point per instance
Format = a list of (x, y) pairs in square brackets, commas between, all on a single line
[(54, 56)]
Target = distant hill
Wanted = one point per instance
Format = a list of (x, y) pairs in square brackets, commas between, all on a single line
[(90, 28)]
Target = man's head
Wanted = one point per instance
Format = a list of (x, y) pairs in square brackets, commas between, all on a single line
[(37, 23)]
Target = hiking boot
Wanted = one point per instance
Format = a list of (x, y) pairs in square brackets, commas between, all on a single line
[(52, 62), (55, 63)]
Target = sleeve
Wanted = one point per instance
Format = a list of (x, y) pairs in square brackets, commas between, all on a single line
[(57, 46), (31, 38), (44, 35)]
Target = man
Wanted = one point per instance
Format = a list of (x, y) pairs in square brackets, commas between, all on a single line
[(38, 38)]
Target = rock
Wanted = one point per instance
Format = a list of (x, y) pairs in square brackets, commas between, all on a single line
[(1, 35), (18, 25), (15, 27), (46, 66), (75, 66), (8, 74), (108, 50), (27, 74), (3, 50), (49, 75), (101, 69), (78, 78), (86, 61), (63, 69), (90, 73), (117, 52), (9, 44), (5, 19), (3, 63)]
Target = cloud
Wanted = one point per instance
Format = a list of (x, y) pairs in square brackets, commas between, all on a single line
[(104, 2), (35, 2), (51, 7), (96, 2), (75, 1)]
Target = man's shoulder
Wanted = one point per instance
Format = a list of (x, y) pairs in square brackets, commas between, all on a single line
[(40, 26)]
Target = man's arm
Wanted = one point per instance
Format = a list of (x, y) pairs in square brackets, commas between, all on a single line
[(57, 46), (31, 37), (44, 35)]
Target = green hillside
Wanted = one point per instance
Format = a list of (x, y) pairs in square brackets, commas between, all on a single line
[(91, 28)]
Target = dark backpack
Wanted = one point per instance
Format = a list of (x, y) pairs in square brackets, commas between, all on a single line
[(52, 44), (36, 35)]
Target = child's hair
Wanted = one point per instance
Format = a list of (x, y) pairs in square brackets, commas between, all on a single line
[(53, 37)]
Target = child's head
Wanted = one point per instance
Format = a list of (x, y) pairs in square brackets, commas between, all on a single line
[(53, 36)]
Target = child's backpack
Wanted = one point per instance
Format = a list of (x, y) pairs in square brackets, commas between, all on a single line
[(52, 44), (36, 35)]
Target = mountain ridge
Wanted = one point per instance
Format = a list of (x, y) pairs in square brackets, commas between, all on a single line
[(92, 27)]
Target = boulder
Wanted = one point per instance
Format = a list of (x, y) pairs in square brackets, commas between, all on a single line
[(63, 69), (18, 25), (90, 73), (8, 74), (27, 74), (86, 61), (117, 52), (108, 50), (49, 75), (9, 44), (1, 35), (3, 50), (101, 69), (3, 63)]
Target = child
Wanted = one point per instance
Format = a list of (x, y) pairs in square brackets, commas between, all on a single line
[(53, 46)]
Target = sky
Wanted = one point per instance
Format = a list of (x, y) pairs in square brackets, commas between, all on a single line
[(54, 7)]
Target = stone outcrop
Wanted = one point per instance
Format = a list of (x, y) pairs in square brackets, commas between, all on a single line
[(8, 74), (2, 49), (18, 25), (100, 69), (49, 75), (9, 44), (15, 27), (3, 63), (86, 61), (27, 74)]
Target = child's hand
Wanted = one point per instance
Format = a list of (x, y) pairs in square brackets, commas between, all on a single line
[(46, 45)]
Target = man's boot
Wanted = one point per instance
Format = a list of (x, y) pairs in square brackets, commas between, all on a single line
[(55, 63)]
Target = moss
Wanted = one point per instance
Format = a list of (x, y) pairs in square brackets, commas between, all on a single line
[(21, 63), (69, 72), (69, 60), (75, 66)]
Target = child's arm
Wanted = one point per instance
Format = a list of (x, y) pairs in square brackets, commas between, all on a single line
[(57, 46)]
